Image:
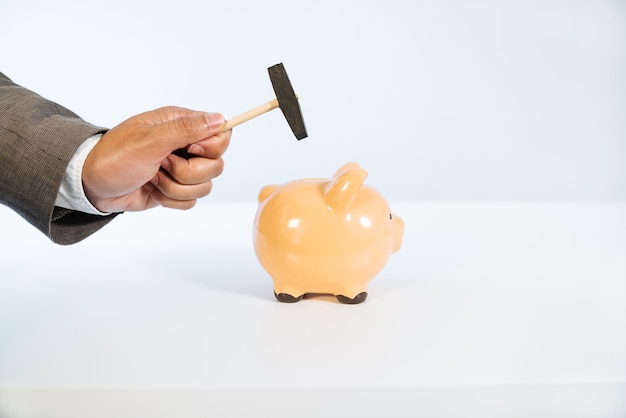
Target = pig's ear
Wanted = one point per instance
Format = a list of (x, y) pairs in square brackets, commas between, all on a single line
[(341, 191), (344, 168), (265, 192)]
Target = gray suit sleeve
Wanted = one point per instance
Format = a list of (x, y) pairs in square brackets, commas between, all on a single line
[(37, 140)]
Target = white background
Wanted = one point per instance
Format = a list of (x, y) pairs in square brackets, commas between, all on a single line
[(439, 101), (489, 309)]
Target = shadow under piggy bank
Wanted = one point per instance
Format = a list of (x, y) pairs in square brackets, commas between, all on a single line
[(226, 270)]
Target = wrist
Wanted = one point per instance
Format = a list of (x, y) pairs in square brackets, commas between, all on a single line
[(72, 194)]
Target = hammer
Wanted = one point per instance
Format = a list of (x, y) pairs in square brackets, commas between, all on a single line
[(286, 99)]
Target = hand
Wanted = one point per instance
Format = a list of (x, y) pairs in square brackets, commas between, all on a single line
[(132, 167)]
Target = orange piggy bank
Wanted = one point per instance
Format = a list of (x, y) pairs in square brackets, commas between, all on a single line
[(325, 236)]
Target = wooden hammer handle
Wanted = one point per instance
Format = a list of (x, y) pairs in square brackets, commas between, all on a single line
[(231, 123), (253, 113)]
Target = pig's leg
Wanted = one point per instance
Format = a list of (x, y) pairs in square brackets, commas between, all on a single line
[(286, 291), (352, 301), (287, 298)]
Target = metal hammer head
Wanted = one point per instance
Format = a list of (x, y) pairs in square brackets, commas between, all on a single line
[(287, 100)]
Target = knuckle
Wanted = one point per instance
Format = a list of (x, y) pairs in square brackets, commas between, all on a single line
[(184, 125), (187, 204), (165, 189), (219, 167), (178, 204), (226, 141), (223, 143), (177, 172), (206, 189)]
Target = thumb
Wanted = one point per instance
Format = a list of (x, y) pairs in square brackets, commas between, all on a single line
[(186, 129)]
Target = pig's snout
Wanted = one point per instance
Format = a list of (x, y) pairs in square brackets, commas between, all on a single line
[(398, 231)]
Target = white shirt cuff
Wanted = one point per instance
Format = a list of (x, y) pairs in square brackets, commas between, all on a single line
[(71, 194)]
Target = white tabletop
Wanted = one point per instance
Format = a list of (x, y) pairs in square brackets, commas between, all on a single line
[(487, 310)]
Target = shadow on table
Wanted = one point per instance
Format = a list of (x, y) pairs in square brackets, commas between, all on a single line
[(226, 270), (237, 270)]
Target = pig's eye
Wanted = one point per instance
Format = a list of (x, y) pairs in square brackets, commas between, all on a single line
[(390, 216)]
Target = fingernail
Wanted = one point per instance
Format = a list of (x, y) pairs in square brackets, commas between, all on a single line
[(195, 149), (165, 165), (155, 180), (215, 120)]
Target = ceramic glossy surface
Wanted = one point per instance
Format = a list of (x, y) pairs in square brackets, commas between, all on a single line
[(325, 236)]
